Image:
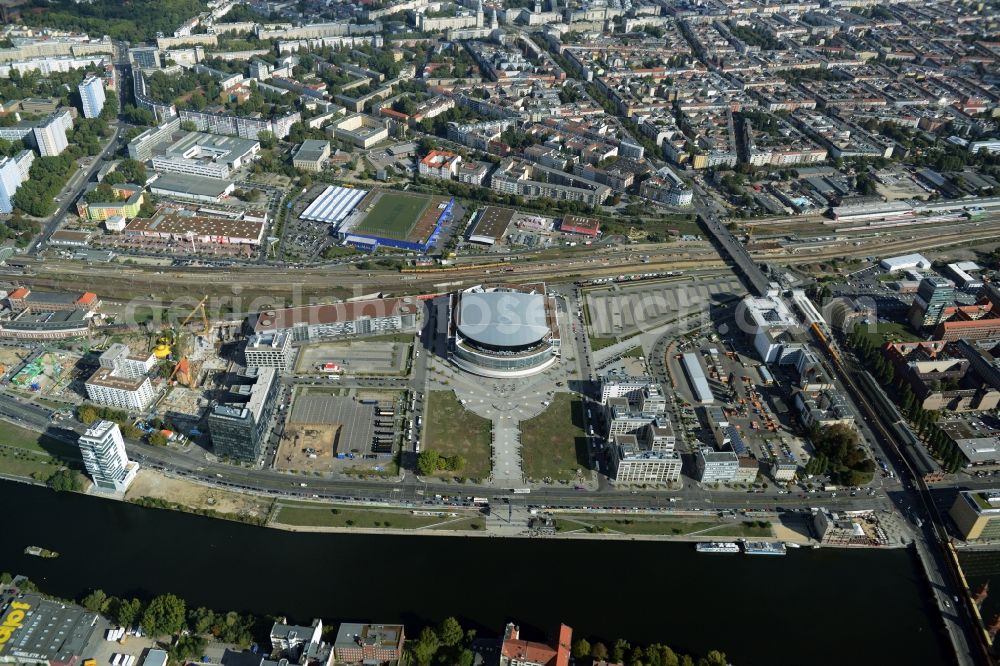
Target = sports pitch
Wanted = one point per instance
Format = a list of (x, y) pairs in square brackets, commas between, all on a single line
[(394, 215)]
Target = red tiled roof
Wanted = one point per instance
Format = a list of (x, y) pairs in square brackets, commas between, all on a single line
[(538, 653), (565, 639), (87, 298), (20, 292)]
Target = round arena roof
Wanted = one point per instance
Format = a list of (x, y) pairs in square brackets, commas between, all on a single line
[(502, 318)]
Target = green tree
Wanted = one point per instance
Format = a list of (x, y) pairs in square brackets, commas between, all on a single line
[(97, 601), (158, 439), (164, 615), (450, 632), (267, 140), (619, 650), (713, 658), (425, 647), (127, 611), (581, 648), (599, 651), (65, 480), (427, 461), (456, 463), (187, 647)]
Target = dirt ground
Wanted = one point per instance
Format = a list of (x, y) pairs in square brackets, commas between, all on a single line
[(10, 356), (149, 483), (301, 440)]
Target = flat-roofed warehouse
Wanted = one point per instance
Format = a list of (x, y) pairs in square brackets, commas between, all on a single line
[(202, 229), (491, 225), (194, 188), (314, 322), (45, 632)]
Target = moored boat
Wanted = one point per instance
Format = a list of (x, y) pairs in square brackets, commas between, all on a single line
[(717, 547)]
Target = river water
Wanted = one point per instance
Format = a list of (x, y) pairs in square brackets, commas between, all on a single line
[(821, 606)]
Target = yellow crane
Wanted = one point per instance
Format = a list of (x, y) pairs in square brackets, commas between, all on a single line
[(204, 317)]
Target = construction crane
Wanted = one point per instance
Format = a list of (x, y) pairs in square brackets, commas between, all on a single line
[(204, 317)]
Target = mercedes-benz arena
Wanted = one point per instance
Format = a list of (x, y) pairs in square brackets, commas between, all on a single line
[(507, 331)]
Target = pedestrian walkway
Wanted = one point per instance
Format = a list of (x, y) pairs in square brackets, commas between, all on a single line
[(507, 472)]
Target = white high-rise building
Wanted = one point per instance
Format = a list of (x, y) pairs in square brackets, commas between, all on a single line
[(13, 172), (92, 96), (104, 456), (50, 135)]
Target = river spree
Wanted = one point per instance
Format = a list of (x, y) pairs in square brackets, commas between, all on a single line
[(810, 607)]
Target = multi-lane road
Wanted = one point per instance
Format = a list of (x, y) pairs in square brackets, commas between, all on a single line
[(72, 191)]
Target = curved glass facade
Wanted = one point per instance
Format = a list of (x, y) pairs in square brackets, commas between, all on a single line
[(513, 365)]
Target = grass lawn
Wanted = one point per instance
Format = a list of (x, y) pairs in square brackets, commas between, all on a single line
[(883, 332), (28, 465), (742, 530), (450, 429), (635, 352), (601, 343), (326, 516), (394, 215), (633, 525), (553, 444), (468, 524), (22, 438)]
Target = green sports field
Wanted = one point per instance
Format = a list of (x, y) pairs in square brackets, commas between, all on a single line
[(394, 215)]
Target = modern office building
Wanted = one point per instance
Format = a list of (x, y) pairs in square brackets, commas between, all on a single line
[(504, 331), (977, 514), (717, 466), (625, 417), (238, 424), (933, 295), (770, 321), (92, 96), (632, 462), (104, 456), (368, 643), (13, 172), (270, 350)]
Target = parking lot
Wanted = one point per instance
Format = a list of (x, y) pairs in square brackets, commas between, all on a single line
[(354, 358), (328, 430)]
